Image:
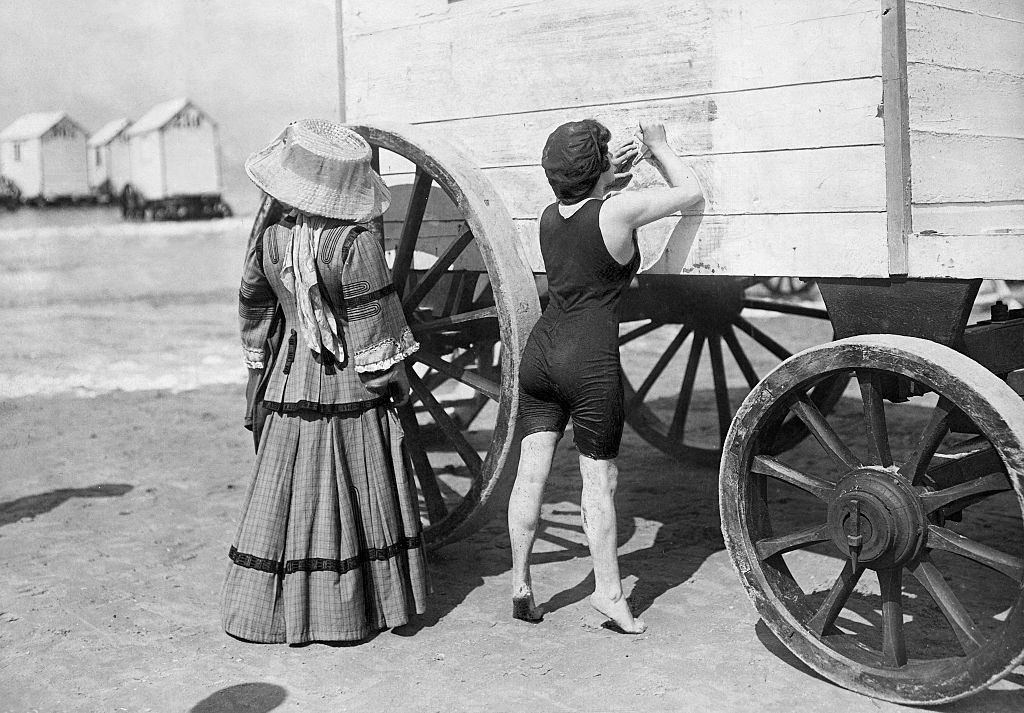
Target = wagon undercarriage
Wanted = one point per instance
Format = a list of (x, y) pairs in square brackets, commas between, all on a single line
[(903, 521)]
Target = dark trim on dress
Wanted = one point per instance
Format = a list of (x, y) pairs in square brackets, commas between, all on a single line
[(328, 246), (349, 239), (351, 407), (361, 300), (354, 288), (364, 312), (320, 564), (256, 314)]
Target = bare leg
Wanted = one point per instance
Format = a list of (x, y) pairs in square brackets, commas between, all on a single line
[(598, 502), (524, 516)]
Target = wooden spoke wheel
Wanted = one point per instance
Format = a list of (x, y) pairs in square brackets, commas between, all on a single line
[(471, 302), (681, 400), (458, 269), (890, 559)]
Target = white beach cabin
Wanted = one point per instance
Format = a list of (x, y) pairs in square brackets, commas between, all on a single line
[(108, 163), (174, 151), (44, 154)]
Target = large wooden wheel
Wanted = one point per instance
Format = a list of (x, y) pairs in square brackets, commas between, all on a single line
[(924, 499), (725, 329), (471, 302)]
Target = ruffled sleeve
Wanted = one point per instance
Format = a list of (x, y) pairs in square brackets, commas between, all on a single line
[(257, 305), (378, 334)]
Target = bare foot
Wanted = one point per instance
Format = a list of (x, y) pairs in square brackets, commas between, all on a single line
[(618, 611), (524, 609)]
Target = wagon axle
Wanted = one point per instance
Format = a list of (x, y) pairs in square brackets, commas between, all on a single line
[(876, 519)]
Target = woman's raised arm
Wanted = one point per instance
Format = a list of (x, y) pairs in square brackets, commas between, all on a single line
[(628, 211)]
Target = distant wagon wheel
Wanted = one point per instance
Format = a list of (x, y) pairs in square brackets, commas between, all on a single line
[(465, 288), (222, 210), (713, 317), (131, 203), (932, 514)]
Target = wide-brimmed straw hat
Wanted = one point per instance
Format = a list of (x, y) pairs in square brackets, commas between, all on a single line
[(321, 168)]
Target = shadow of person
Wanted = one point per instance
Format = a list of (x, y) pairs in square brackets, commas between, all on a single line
[(670, 521), (683, 515), (242, 698), (32, 505)]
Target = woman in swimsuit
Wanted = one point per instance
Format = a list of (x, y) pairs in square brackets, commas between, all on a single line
[(570, 366)]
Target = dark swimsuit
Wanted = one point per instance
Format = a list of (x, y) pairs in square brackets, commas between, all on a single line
[(570, 366)]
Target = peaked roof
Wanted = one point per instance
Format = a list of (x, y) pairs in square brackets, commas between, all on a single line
[(32, 126), (160, 115), (108, 132)]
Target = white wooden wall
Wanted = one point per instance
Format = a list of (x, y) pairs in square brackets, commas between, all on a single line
[(118, 163), (147, 169), (97, 160), (775, 104), (190, 155), (63, 165), (26, 172), (965, 69)]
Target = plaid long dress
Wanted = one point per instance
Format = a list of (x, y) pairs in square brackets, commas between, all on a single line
[(329, 546)]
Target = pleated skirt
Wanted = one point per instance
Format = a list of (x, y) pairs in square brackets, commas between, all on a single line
[(329, 547)]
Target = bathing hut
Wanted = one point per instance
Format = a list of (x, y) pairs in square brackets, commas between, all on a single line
[(174, 153), (107, 159), (44, 155)]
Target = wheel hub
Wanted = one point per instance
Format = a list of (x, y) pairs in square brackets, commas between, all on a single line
[(876, 519)]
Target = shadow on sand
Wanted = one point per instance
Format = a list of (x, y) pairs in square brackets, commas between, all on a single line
[(243, 698), (678, 507), (32, 505)]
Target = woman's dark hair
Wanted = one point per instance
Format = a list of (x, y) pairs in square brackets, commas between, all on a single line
[(575, 155)]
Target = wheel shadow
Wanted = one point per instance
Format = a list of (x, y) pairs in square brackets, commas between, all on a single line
[(31, 506), (243, 698), (987, 701)]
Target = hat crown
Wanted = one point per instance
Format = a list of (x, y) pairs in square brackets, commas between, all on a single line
[(327, 140), (321, 168)]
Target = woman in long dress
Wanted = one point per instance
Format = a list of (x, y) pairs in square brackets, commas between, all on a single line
[(570, 365), (329, 545)]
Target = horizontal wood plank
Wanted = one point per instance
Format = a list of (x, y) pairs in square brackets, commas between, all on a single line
[(966, 218), (831, 114), (990, 255), (1002, 9), (813, 245), (959, 101), (811, 181), (538, 56), (950, 38), (367, 16), (951, 168)]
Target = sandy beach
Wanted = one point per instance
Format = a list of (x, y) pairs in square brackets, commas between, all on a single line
[(124, 465)]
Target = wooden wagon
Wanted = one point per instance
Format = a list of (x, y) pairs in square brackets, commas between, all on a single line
[(108, 160), (174, 159), (43, 154), (874, 146)]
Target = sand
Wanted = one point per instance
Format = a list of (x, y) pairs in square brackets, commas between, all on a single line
[(124, 464)]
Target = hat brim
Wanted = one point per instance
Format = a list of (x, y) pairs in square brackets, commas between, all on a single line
[(363, 198)]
